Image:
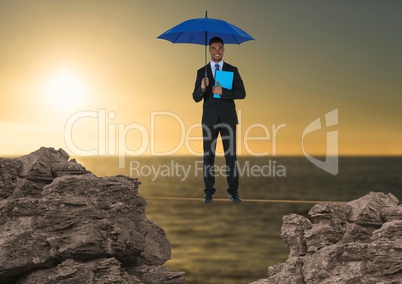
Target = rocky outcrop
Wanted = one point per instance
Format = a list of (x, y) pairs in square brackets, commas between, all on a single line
[(59, 223), (356, 242)]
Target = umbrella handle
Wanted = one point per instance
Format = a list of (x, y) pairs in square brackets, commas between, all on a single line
[(205, 82)]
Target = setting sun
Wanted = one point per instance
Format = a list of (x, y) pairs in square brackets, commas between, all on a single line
[(65, 88)]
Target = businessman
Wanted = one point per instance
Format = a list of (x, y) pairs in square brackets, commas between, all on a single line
[(219, 117)]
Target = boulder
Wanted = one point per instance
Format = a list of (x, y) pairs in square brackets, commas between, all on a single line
[(59, 223), (356, 242)]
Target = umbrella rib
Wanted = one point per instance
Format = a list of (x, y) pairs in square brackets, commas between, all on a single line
[(178, 36)]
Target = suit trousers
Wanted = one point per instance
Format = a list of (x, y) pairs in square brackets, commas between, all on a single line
[(210, 137)]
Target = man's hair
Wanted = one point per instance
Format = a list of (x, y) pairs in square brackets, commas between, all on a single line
[(215, 39)]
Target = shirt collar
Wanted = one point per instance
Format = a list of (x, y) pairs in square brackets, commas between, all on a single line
[(213, 65)]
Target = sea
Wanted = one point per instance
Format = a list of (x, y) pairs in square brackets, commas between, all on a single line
[(234, 243)]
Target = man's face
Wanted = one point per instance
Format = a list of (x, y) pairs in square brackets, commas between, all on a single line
[(216, 50)]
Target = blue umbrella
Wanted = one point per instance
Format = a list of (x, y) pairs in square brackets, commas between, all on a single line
[(201, 30)]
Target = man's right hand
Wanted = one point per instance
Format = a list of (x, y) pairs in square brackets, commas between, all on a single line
[(204, 83)]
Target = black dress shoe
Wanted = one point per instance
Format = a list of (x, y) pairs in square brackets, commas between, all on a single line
[(208, 198), (235, 198)]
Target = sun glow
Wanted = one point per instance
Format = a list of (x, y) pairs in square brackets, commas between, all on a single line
[(65, 89)]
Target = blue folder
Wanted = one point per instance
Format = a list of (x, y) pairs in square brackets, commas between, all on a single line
[(225, 78)]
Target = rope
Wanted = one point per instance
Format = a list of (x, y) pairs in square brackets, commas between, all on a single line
[(244, 200)]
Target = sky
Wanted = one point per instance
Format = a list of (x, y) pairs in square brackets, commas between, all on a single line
[(91, 77)]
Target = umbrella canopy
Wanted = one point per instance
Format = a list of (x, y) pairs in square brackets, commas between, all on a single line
[(201, 30)]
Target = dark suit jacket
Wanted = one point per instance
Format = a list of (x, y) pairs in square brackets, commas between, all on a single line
[(224, 109)]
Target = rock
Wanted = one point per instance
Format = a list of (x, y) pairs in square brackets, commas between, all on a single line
[(329, 220), (391, 213), (8, 176), (70, 168), (356, 242), (37, 166), (293, 229), (156, 274), (59, 223), (102, 270), (366, 211)]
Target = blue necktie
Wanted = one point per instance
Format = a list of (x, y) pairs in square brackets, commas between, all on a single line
[(216, 69)]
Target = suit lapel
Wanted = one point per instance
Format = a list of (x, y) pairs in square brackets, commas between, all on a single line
[(210, 75)]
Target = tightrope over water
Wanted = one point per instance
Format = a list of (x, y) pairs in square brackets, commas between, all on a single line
[(244, 200)]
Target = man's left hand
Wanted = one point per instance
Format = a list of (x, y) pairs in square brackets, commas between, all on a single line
[(217, 89)]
